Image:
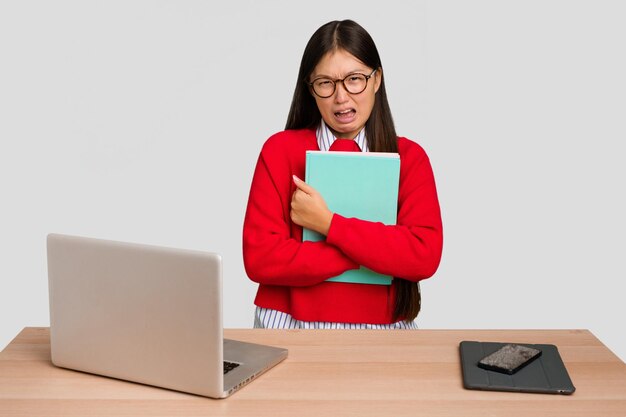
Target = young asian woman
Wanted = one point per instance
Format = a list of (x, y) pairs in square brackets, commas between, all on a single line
[(339, 103)]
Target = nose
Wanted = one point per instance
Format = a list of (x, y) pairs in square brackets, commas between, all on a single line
[(341, 94)]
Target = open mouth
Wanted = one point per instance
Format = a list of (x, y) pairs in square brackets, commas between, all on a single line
[(345, 115)]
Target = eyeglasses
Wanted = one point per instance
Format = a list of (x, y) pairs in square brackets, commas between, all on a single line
[(354, 83)]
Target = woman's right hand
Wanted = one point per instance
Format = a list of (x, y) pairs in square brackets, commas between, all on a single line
[(308, 208)]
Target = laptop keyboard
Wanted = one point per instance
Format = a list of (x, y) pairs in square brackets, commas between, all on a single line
[(229, 366)]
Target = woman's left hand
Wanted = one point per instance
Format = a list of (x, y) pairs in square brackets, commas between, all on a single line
[(308, 208)]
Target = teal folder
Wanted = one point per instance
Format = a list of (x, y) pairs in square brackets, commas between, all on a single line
[(356, 184)]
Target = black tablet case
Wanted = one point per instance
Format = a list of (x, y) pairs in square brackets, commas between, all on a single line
[(547, 374)]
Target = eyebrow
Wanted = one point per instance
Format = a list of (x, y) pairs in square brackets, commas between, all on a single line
[(359, 71)]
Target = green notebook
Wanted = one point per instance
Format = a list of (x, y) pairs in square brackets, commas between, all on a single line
[(356, 184)]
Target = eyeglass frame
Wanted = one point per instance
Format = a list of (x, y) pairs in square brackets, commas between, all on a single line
[(367, 78)]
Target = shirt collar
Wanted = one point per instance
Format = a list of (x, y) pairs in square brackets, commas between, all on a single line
[(325, 138)]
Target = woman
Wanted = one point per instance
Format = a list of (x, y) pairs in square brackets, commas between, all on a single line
[(339, 102)]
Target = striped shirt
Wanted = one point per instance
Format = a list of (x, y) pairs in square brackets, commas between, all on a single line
[(266, 318)]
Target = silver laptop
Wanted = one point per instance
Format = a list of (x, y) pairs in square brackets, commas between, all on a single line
[(146, 314)]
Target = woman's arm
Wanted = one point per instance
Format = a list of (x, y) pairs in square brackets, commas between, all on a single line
[(271, 254), (412, 248)]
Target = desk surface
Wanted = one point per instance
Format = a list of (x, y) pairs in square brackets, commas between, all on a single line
[(328, 373)]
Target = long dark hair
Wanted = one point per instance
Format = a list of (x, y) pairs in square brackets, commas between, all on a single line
[(379, 128)]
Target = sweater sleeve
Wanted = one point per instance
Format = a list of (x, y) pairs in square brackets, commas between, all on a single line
[(272, 255), (411, 249)]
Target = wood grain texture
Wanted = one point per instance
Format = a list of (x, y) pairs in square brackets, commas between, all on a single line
[(328, 372)]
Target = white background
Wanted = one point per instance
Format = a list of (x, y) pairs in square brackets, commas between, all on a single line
[(142, 121)]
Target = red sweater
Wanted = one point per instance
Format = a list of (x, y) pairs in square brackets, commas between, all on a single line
[(291, 273)]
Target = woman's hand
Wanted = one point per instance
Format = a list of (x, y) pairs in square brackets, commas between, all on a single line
[(308, 208)]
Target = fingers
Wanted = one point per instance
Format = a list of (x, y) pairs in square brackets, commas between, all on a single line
[(302, 202), (298, 206), (296, 198), (303, 185)]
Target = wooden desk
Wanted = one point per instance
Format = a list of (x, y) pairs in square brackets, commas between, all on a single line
[(327, 373)]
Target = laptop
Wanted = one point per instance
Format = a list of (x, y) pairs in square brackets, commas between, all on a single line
[(146, 314)]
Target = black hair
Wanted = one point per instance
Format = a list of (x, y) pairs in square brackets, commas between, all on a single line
[(379, 129)]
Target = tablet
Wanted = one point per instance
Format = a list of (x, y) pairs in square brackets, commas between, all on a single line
[(546, 374)]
